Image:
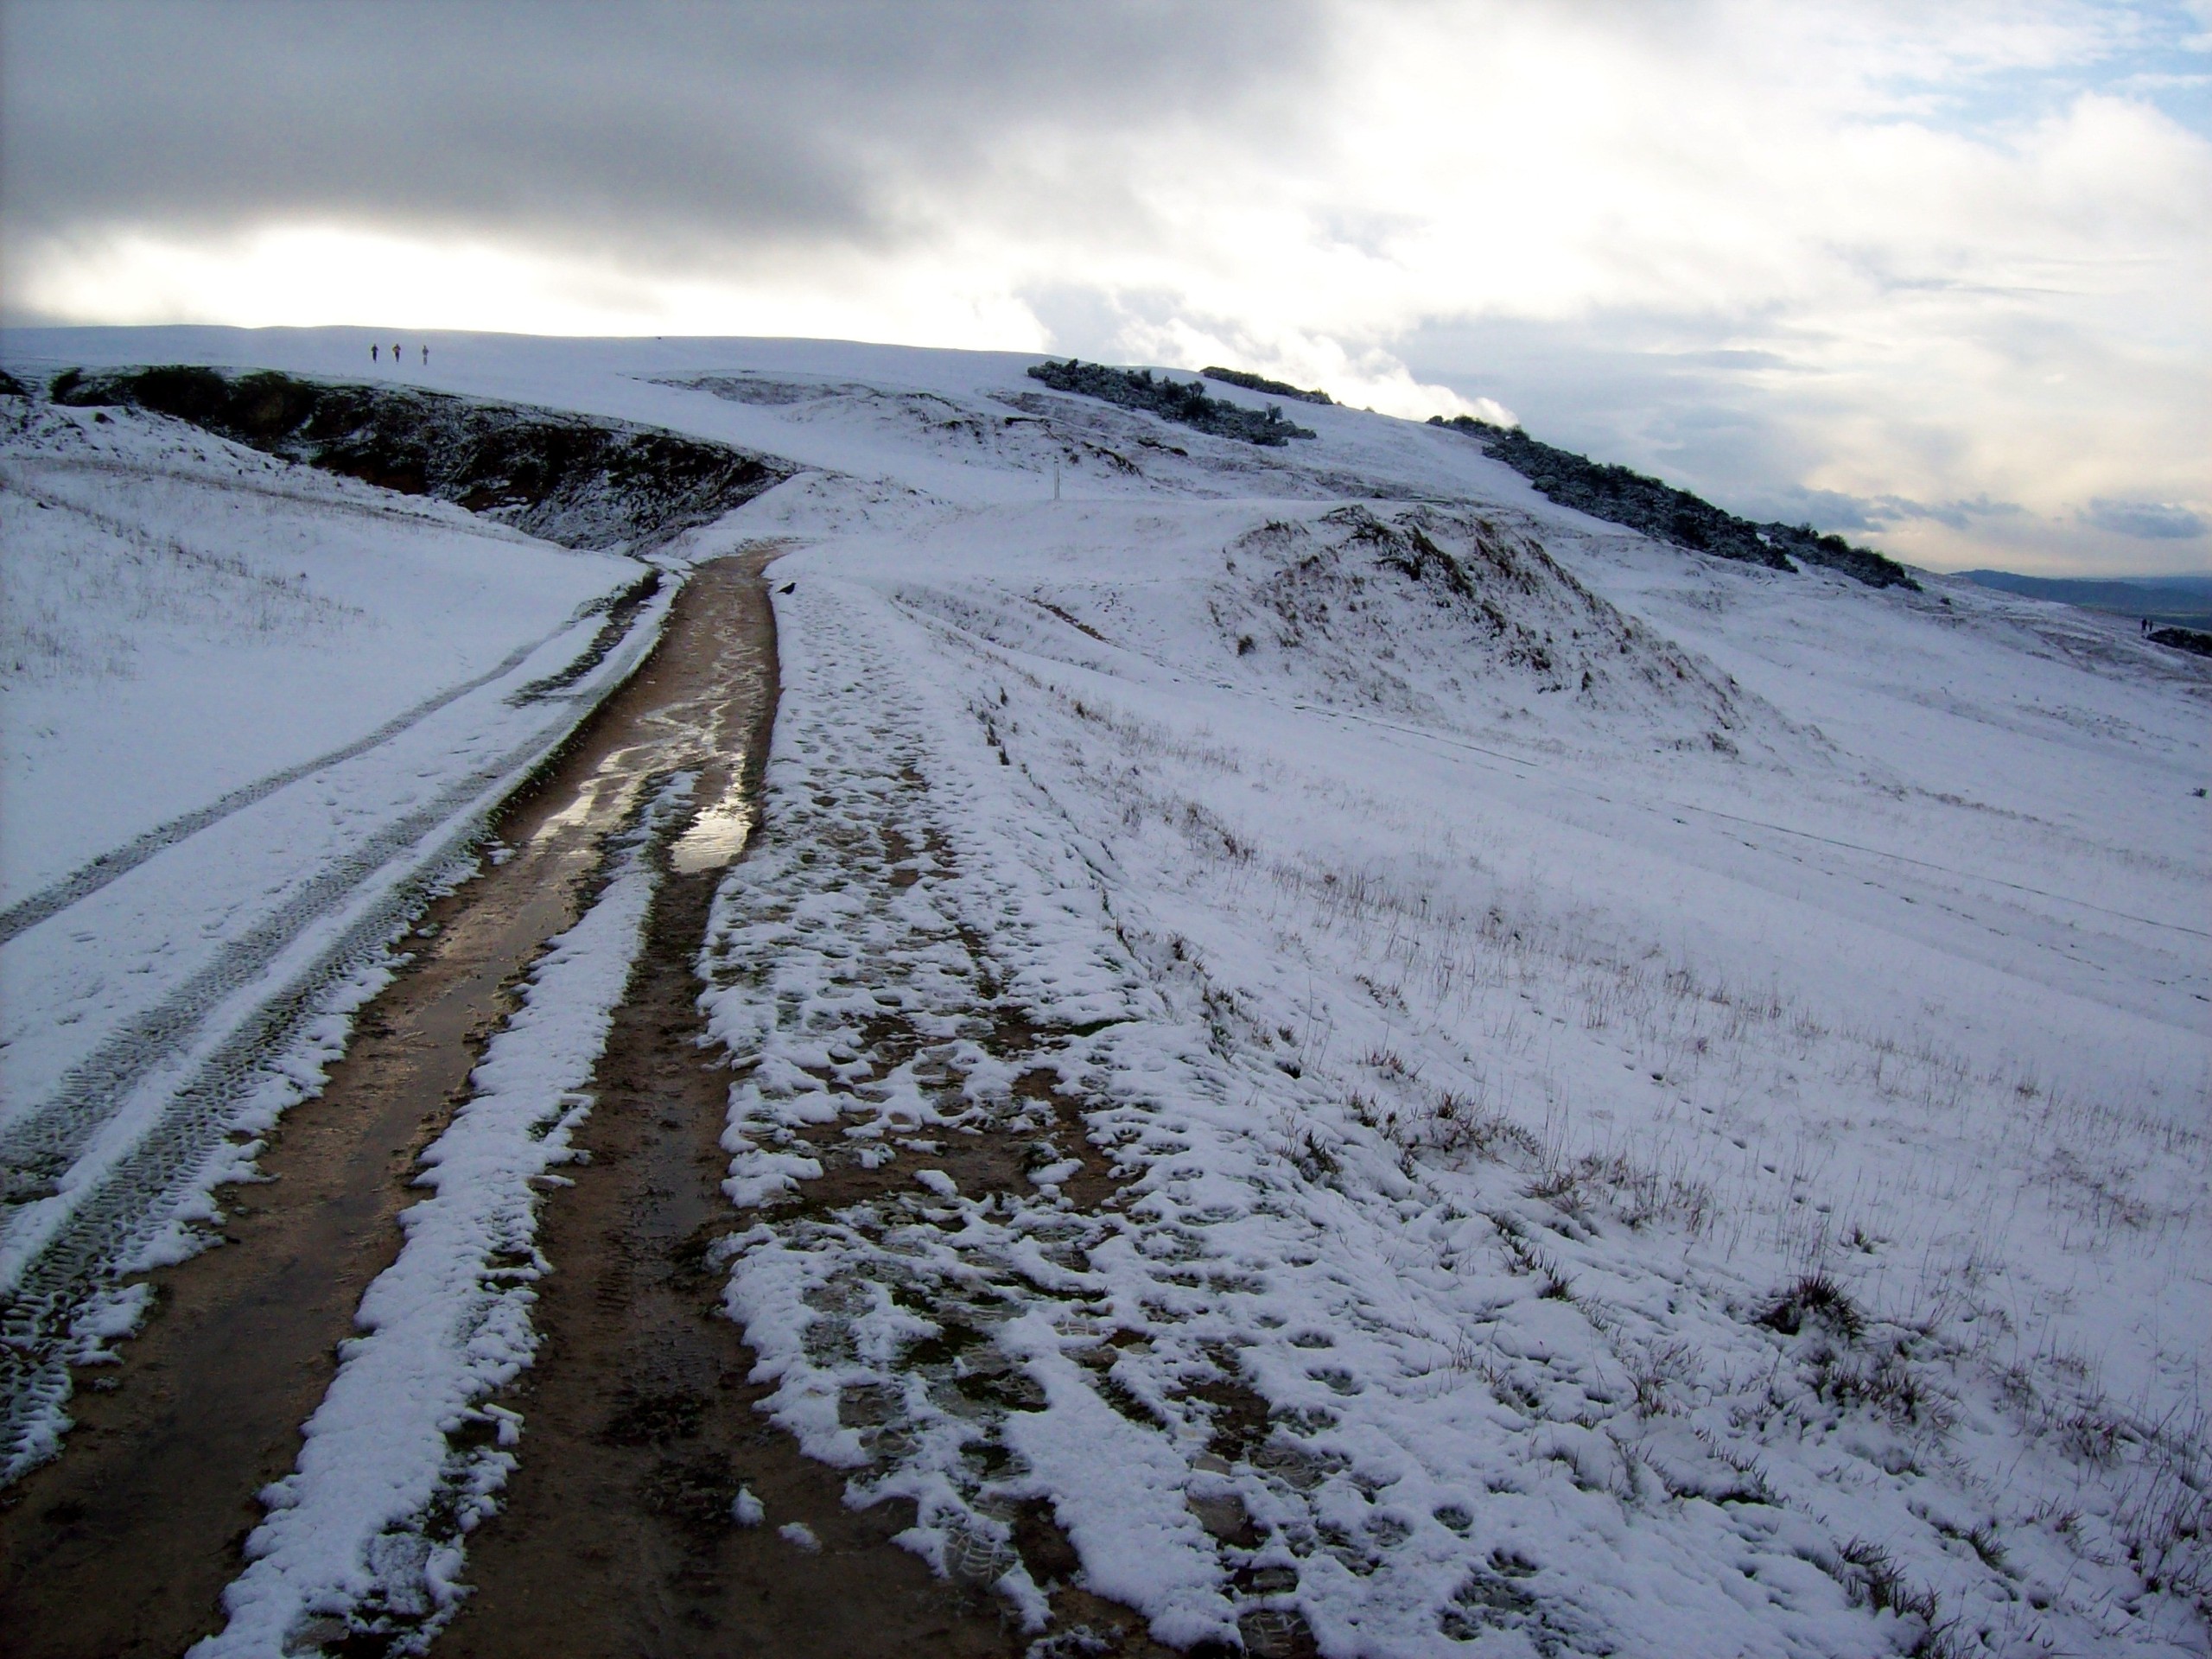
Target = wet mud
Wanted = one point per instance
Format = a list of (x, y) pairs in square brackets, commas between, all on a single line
[(123, 1545), (617, 1537), (619, 1533)]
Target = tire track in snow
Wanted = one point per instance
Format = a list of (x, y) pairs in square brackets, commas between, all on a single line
[(171, 1103), (40, 1146), (119, 861)]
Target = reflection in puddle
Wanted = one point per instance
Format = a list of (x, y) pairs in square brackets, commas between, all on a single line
[(706, 692), (602, 798), (716, 836)]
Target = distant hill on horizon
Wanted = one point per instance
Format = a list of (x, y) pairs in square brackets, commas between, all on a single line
[(2186, 601)]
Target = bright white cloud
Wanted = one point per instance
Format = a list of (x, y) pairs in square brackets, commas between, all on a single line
[(305, 275)]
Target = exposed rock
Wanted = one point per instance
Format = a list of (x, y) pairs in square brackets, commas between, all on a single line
[(580, 482), (1187, 405), (1252, 381)]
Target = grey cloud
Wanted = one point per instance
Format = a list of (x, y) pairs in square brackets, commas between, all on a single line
[(707, 129), (1734, 358), (1834, 510), (1641, 389), (1828, 510), (1958, 514), (2149, 521), (1090, 322), (1372, 234)]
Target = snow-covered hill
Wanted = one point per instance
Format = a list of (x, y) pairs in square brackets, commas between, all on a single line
[(186, 615), (1432, 1075)]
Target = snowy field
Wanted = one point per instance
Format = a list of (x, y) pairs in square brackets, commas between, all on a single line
[(1435, 1077)]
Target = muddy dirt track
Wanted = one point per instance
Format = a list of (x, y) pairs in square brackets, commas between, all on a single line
[(123, 1545), (616, 1536)]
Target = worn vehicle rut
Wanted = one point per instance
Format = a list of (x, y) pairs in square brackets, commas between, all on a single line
[(122, 1544)]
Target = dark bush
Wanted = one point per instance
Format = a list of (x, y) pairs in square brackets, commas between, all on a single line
[(1172, 400), (1622, 496), (1816, 1299), (1260, 383), (2191, 640)]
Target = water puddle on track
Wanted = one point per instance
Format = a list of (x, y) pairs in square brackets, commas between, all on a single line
[(716, 836), (123, 1545)]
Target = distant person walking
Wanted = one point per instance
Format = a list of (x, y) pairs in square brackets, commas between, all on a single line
[(374, 349), (426, 356), (395, 351)]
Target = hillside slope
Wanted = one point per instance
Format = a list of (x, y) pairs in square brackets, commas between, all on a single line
[(1419, 1073)]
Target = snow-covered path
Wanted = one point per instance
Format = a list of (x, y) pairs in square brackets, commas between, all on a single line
[(1349, 1343)]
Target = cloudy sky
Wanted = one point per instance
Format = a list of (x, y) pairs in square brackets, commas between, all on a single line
[(1938, 275)]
